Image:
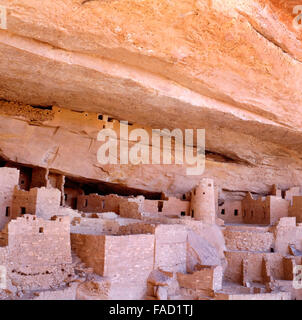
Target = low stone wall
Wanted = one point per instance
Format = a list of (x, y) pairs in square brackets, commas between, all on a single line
[(254, 264), (248, 240)]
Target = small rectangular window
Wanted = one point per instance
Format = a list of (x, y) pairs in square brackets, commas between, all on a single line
[(23, 210), (7, 211), (183, 213), (236, 212), (192, 213), (160, 206), (222, 211)]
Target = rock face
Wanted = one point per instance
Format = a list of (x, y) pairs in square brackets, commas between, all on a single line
[(232, 68)]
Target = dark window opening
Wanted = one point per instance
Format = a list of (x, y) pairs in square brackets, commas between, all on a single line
[(184, 197), (100, 117), (86, 203), (283, 194), (74, 204), (130, 124), (160, 206), (192, 213), (272, 250), (236, 212), (23, 210), (252, 213), (110, 119), (183, 213), (222, 211), (7, 211), (203, 193), (41, 230), (22, 181)]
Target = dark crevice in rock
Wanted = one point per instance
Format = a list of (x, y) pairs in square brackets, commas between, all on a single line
[(219, 157)]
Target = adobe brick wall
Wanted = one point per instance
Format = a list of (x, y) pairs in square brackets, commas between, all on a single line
[(256, 211), (256, 296), (207, 278), (227, 212), (295, 210), (131, 209), (292, 192), (43, 202), (278, 208), (24, 199), (203, 207), (37, 242), (98, 203), (151, 206), (287, 232), (70, 197), (3, 256), (94, 226), (9, 178), (175, 206), (248, 240), (39, 178), (137, 228), (38, 252), (170, 247), (90, 249), (172, 206), (112, 203), (126, 260), (48, 202), (254, 261), (91, 203), (264, 210)]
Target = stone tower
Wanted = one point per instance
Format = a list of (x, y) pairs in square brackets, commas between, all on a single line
[(203, 201)]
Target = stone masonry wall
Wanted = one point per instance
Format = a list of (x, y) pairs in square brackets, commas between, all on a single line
[(9, 178)]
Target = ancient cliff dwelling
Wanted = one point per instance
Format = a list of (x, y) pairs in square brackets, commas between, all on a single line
[(150, 150)]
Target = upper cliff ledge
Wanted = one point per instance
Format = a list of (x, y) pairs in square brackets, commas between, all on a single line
[(231, 67)]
